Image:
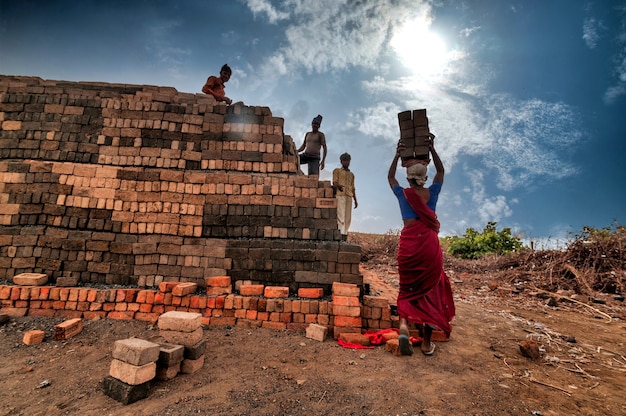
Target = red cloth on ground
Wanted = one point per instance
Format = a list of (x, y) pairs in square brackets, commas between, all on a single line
[(353, 345), (425, 295)]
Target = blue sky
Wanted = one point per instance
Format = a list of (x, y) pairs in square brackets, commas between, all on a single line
[(527, 97)]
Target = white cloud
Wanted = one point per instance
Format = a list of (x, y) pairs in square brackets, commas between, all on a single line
[(265, 7), (169, 57), (614, 92), (591, 27)]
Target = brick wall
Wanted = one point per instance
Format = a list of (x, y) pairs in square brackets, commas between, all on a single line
[(137, 184)]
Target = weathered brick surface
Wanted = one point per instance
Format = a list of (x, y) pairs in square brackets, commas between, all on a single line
[(68, 329), (182, 338), (123, 392), (33, 337), (189, 366), (136, 351), (316, 332), (132, 374), (30, 279), (180, 321)]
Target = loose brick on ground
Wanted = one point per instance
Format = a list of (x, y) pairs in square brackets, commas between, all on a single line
[(34, 337), (136, 351)]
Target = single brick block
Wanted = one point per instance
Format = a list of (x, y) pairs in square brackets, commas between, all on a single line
[(168, 373), (393, 346), (184, 288), (316, 332), (170, 355), (276, 292), (191, 366), (30, 279), (354, 311), (132, 374), (217, 291), (311, 292), (195, 351), (136, 351), (182, 338), (350, 321), (345, 301), (68, 329), (124, 393), (218, 281), (67, 281), (251, 290), (354, 338), (180, 321), (166, 287), (345, 289), (33, 337), (375, 301)]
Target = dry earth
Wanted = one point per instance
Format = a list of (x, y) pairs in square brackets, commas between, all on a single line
[(480, 371)]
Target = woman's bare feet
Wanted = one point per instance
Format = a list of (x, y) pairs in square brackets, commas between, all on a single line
[(428, 347)]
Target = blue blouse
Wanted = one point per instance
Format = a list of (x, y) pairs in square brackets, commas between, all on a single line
[(405, 208)]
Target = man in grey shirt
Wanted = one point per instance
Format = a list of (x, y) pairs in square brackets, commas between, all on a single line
[(314, 142)]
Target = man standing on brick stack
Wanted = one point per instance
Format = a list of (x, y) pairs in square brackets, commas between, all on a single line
[(343, 185), (215, 86), (314, 142)]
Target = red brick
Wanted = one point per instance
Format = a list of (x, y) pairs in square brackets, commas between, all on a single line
[(352, 321), (311, 292), (147, 317), (15, 312), (185, 288), (44, 293), (274, 325), (15, 293), (218, 281), (120, 295), (345, 289), (64, 294), (33, 337), (121, 315), (108, 306), (73, 295), (82, 295), (219, 320), (94, 315), (346, 300), (159, 298), (58, 304), (251, 290), (276, 292), (5, 292), (72, 306), (83, 306), (21, 304), (91, 296), (48, 313), (145, 308), (346, 310), (167, 286), (158, 309)]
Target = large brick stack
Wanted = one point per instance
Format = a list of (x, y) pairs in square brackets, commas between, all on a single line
[(136, 184)]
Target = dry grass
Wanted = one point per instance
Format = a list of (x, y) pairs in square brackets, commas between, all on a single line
[(592, 262)]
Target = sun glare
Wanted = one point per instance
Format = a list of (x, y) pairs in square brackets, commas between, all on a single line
[(419, 49)]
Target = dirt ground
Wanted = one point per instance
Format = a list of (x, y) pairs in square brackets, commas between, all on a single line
[(480, 371)]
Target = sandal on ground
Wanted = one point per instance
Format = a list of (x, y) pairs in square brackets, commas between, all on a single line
[(431, 351), (405, 345)]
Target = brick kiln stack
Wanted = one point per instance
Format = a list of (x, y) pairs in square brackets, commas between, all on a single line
[(137, 184)]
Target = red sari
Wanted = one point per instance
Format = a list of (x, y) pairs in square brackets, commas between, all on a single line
[(425, 295)]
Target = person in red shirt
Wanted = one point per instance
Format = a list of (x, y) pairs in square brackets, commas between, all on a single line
[(215, 86)]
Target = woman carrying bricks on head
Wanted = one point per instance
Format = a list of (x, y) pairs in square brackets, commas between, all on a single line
[(215, 86), (425, 295)]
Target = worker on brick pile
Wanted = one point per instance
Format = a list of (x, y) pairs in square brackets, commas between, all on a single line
[(343, 187), (314, 143), (425, 294), (215, 86)]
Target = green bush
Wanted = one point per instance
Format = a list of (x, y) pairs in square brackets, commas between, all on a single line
[(474, 245)]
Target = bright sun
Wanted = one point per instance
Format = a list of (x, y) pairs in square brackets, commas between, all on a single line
[(419, 49)]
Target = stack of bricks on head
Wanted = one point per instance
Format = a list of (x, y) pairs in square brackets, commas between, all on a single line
[(414, 134)]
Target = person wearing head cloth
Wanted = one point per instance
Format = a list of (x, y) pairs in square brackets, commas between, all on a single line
[(314, 144), (343, 186), (425, 295), (215, 85)]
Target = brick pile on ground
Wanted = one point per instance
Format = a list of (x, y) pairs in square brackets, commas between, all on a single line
[(68, 329), (184, 328), (132, 368)]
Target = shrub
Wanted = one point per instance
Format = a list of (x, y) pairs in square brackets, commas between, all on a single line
[(474, 245)]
